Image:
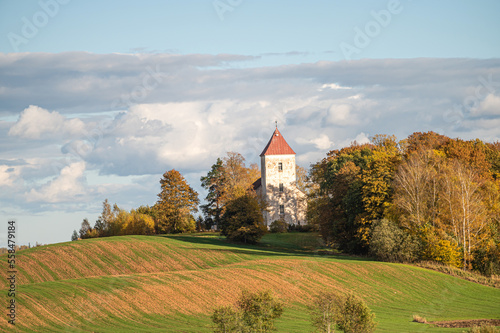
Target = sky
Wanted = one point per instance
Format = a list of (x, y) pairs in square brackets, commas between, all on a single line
[(99, 98)]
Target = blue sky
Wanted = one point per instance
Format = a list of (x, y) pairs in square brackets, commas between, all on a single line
[(98, 99)]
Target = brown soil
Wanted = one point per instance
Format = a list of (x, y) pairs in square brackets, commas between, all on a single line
[(466, 323)]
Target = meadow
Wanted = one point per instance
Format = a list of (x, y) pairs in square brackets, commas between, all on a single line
[(172, 283)]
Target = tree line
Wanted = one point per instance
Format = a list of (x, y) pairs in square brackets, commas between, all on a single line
[(231, 204), (427, 197)]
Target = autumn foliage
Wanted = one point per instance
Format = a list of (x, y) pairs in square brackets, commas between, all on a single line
[(442, 193)]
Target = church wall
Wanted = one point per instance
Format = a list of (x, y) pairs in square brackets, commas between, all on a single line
[(289, 197)]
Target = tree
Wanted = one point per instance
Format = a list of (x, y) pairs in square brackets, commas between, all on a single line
[(356, 317), (238, 179), (259, 310), (85, 229), (243, 221), (103, 223), (177, 200), (214, 182), (74, 236), (325, 311), (465, 200), (139, 224), (303, 183), (416, 188)]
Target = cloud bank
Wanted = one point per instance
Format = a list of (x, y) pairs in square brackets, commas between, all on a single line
[(80, 127)]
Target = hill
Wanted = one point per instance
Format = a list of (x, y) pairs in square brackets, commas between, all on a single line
[(173, 283)]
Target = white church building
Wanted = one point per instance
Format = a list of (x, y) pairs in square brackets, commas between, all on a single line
[(278, 183)]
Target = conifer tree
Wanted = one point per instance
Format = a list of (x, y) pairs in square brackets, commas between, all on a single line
[(176, 201)]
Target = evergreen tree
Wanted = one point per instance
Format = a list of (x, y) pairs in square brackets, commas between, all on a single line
[(214, 182), (176, 201), (243, 221)]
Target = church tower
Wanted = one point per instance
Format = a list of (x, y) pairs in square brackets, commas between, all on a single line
[(278, 183)]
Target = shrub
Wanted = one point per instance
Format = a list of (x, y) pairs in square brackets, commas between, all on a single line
[(349, 314), (300, 227), (278, 226), (487, 259), (390, 243), (356, 317), (418, 319), (226, 320), (259, 310), (256, 313), (436, 248), (483, 329)]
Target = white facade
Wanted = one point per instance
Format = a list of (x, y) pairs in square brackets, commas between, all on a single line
[(279, 185)]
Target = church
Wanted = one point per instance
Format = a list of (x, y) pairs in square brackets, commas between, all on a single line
[(278, 183)]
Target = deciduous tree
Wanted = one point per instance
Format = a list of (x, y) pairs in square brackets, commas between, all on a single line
[(326, 311)]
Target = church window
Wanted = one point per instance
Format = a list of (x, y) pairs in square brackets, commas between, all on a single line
[(282, 210), (281, 187), (280, 166)]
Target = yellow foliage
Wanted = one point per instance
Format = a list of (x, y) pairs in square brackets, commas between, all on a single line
[(436, 248)]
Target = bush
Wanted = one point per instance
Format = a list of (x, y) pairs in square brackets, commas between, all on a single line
[(356, 317), (390, 243), (259, 310), (487, 259), (256, 313), (278, 226), (226, 320), (483, 329), (349, 314), (436, 248), (300, 227)]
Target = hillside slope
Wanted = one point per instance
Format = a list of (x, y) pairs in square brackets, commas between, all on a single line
[(158, 284)]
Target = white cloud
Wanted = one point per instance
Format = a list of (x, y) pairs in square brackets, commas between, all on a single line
[(200, 110), (321, 142), (339, 113), (35, 122), (67, 187), (361, 138), (490, 106), (333, 86), (8, 174)]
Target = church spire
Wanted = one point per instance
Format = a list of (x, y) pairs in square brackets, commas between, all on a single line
[(277, 145)]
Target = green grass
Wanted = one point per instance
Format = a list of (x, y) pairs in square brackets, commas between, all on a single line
[(204, 271)]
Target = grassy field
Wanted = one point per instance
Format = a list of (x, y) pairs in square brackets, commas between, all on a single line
[(173, 283)]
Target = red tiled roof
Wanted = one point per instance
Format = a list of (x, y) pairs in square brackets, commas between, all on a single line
[(277, 146)]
